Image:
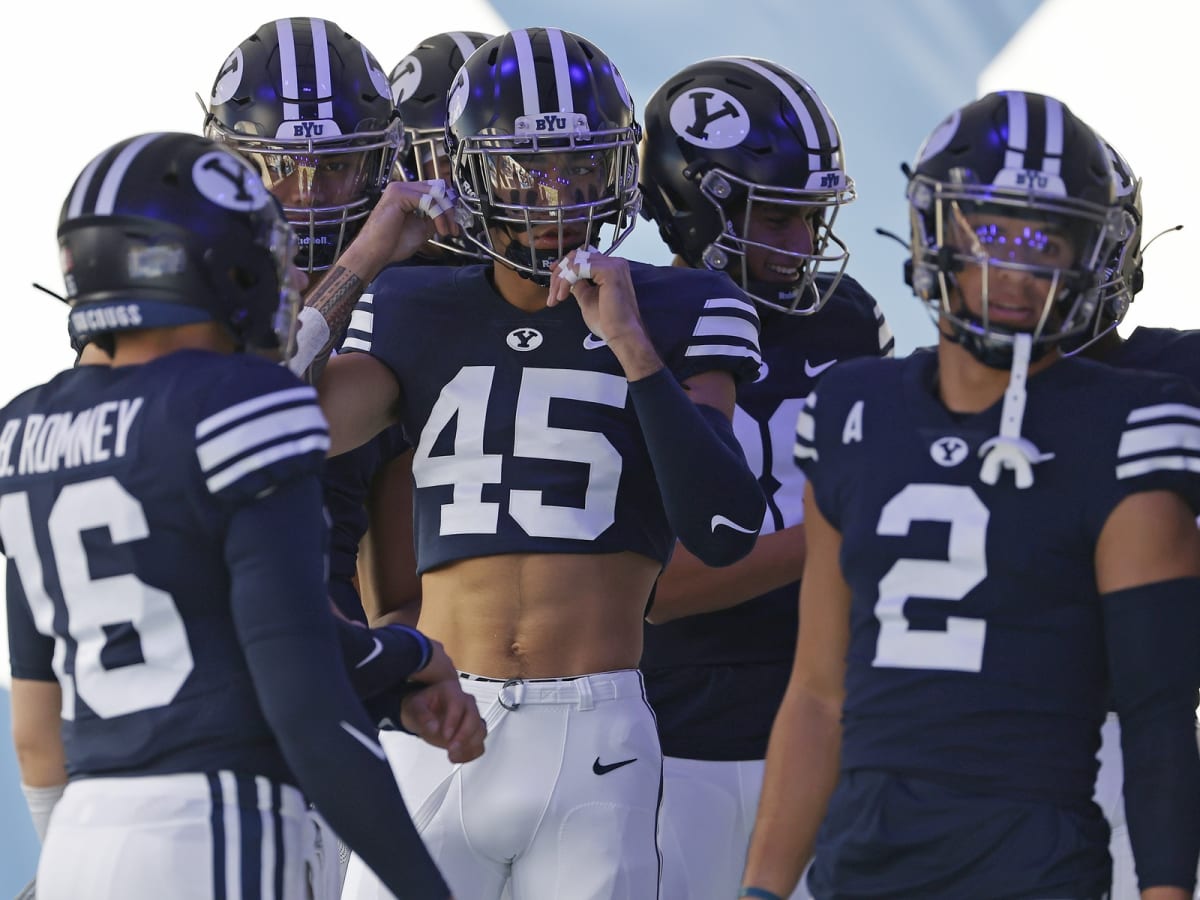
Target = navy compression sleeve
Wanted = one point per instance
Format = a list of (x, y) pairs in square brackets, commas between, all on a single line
[(1151, 633), (711, 497), (274, 550), (380, 659)]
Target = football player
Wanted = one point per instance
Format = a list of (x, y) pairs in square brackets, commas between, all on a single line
[(310, 106), (1156, 349), (570, 414), (996, 536), (377, 489), (163, 525), (743, 170)]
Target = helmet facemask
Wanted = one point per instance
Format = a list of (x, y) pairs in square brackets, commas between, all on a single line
[(327, 185), (737, 200), (957, 225), (559, 193)]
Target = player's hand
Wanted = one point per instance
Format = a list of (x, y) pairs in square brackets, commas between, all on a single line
[(407, 215), (603, 288), (445, 716)]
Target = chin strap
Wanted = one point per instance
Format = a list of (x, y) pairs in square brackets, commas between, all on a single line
[(1009, 450)]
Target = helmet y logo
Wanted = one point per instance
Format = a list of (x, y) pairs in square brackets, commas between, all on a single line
[(707, 117)]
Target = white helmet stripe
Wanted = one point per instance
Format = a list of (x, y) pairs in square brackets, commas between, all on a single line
[(107, 197), (1052, 162), (1018, 130), (320, 43), (287, 66), (562, 72), (464, 44), (529, 87), (75, 206), (802, 112)]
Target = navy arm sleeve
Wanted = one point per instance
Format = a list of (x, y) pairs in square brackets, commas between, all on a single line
[(1150, 632), (381, 659), (711, 497), (274, 550)]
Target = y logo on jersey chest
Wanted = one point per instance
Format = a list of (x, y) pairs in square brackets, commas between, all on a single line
[(524, 339), (948, 451)]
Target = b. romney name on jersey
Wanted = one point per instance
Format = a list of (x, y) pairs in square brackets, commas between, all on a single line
[(66, 440)]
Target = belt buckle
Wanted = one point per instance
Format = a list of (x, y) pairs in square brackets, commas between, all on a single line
[(511, 683)]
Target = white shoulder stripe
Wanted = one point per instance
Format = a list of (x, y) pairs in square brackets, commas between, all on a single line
[(1163, 411), (362, 320), (353, 343), (727, 327), (731, 303), (250, 407), (803, 451), (1158, 463), (259, 431), (724, 350), (1154, 438), (264, 458), (806, 426)]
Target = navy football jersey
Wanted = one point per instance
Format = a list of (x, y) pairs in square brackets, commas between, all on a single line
[(116, 485), (1160, 350), (346, 482), (976, 653), (710, 701), (525, 438)]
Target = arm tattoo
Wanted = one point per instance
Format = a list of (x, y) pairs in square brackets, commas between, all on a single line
[(334, 298)]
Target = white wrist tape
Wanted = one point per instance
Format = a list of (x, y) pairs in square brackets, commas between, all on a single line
[(312, 337), (583, 263), (436, 201), (41, 801)]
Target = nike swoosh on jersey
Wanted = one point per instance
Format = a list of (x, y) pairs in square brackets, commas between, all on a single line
[(371, 745), (375, 651), (591, 342), (813, 371), (602, 769), (729, 523)]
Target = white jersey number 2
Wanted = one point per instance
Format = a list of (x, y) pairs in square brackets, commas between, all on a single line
[(94, 604), (960, 647)]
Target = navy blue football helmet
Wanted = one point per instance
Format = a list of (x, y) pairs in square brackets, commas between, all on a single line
[(311, 107), (1123, 272), (170, 229), (1019, 155), (726, 135), (543, 140), (420, 82)]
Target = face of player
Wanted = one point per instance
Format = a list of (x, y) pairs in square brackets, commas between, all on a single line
[(556, 188), (784, 230), (1023, 255), (318, 181)]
